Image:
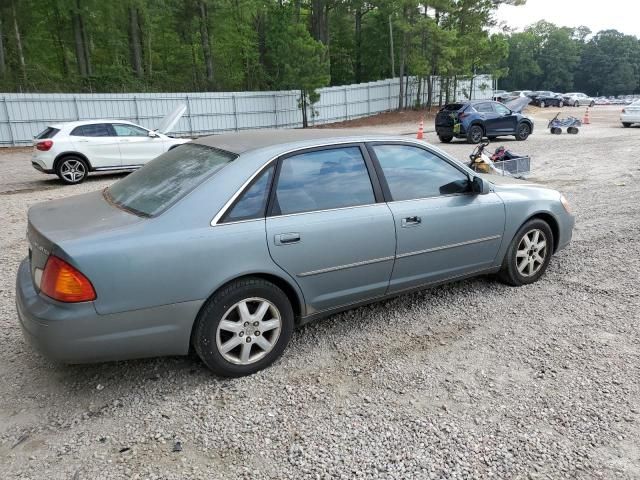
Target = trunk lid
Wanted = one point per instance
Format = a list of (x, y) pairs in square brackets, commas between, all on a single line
[(168, 122), (448, 115), (53, 223)]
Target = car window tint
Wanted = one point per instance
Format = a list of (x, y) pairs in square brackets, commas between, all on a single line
[(123, 130), (501, 109), (166, 179), (412, 172), (253, 202), (484, 107), (92, 130), (322, 180)]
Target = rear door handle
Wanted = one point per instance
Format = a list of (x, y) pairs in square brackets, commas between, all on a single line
[(411, 221), (287, 238)]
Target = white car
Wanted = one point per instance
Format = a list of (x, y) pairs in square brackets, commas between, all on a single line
[(630, 114), (578, 99), (73, 149)]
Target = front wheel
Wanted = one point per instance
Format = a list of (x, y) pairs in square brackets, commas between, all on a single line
[(528, 255), (475, 134), (72, 170), (576, 104), (243, 328), (560, 104), (626, 124), (524, 130), (445, 138), (542, 104), (592, 104)]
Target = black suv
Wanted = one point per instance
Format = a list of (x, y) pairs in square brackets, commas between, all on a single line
[(477, 119)]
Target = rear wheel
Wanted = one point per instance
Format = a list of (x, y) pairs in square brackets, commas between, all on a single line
[(626, 124), (445, 138), (475, 134), (528, 255), (592, 104), (243, 328), (542, 104), (72, 170), (561, 104), (576, 104), (524, 130)]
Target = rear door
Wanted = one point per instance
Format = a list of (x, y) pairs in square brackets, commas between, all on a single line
[(488, 116), (329, 228), (136, 146), (99, 143), (443, 230)]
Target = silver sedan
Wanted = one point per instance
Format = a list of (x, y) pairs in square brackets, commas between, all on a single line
[(227, 243)]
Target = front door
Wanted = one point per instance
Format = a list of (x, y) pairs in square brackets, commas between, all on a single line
[(506, 120), (443, 230), (136, 146), (327, 229)]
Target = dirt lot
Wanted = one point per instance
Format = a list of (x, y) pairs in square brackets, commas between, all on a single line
[(470, 380)]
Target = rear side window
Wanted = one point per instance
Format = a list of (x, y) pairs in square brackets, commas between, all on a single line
[(253, 202), (323, 180), (484, 108), (412, 173), (93, 130), (166, 179), (48, 132)]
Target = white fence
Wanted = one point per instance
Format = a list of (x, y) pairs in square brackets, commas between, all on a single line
[(24, 115)]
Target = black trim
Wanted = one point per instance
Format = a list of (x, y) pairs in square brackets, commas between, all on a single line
[(383, 181), (224, 219), (274, 210)]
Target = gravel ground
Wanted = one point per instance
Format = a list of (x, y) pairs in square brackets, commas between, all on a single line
[(469, 380)]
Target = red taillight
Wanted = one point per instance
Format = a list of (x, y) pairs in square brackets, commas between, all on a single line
[(462, 115), (64, 283), (44, 145)]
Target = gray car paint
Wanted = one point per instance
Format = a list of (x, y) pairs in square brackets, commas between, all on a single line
[(152, 275)]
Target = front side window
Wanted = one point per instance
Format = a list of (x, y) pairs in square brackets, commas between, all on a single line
[(123, 130), (253, 202), (501, 109), (166, 179), (412, 172), (93, 130), (323, 180)]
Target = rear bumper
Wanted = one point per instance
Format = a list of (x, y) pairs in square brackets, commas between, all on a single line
[(447, 131), (76, 333), (630, 117)]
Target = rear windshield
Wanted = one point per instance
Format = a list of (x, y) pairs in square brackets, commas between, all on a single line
[(165, 180), (48, 132), (453, 107)]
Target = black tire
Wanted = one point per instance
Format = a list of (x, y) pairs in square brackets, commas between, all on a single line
[(72, 170), (592, 104), (205, 332), (542, 104), (509, 272), (523, 132), (491, 139), (576, 104), (445, 139), (560, 104), (626, 124), (475, 134)]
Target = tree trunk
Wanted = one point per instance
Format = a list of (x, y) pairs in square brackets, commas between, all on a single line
[(320, 21), (303, 105), (16, 29), (446, 91), (77, 36), (3, 63), (204, 40), (64, 61), (135, 47), (429, 92), (358, 40), (85, 42)]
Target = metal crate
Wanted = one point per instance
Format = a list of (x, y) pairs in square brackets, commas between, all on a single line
[(518, 167)]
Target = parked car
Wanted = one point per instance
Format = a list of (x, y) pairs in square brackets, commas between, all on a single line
[(73, 149), (545, 98), (499, 95), (226, 243), (630, 114), (578, 99), (477, 119)]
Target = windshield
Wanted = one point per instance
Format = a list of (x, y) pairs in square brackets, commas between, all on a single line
[(165, 180)]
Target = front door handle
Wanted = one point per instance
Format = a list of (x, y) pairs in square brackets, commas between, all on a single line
[(287, 238), (411, 221)]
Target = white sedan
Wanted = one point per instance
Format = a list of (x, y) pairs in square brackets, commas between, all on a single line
[(73, 149), (630, 114)]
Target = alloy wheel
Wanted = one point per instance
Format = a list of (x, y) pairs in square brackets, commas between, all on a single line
[(73, 171), (531, 253), (248, 331)]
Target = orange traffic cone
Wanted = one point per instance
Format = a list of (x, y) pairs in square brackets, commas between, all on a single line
[(586, 120), (420, 135)]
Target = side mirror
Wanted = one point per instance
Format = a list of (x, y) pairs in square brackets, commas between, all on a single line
[(480, 186), (153, 134)]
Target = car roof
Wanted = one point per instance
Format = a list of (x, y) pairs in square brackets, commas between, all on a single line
[(78, 123), (286, 139)]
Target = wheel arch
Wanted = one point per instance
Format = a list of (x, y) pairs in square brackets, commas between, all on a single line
[(550, 220), (63, 155)]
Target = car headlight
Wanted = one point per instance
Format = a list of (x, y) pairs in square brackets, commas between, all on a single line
[(565, 203)]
